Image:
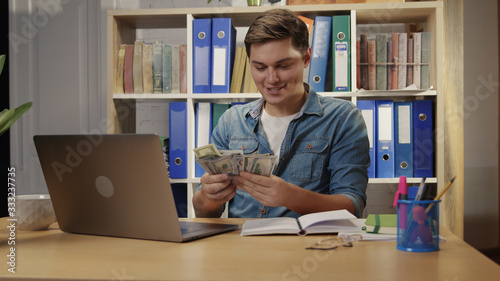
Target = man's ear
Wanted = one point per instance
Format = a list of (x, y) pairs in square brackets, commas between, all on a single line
[(307, 57)]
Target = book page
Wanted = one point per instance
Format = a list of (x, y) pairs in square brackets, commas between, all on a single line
[(283, 225), (310, 219)]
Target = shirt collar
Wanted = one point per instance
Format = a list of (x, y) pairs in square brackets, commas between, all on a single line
[(311, 106)]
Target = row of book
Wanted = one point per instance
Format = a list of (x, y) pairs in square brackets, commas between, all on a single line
[(206, 119), (393, 61), (151, 68), (401, 135)]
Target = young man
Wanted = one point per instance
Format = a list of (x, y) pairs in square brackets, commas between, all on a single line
[(322, 142)]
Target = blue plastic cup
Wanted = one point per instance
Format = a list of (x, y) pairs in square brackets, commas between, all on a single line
[(418, 225)]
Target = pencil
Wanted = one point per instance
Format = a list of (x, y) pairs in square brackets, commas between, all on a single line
[(440, 194)]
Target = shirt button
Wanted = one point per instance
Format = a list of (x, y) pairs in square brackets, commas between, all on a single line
[(263, 211)]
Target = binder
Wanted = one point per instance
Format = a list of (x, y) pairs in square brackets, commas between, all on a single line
[(202, 55), (403, 135), (423, 141), (341, 53), (178, 140), (367, 108), (385, 139), (320, 52), (217, 110), (203, 124), (223, 51)]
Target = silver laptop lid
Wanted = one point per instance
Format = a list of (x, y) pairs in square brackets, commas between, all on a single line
[(115, 185)]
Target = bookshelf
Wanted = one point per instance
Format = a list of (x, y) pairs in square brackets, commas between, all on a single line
[(122, 26)]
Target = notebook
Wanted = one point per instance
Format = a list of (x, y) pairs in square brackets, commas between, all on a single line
[(114, 185)]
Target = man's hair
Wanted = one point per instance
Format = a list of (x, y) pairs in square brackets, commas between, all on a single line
[(277, 24)]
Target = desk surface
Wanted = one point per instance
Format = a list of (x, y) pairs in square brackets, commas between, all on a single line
[(55, 255)]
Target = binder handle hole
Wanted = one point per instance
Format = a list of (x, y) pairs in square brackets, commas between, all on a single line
[(385, 157), (404, 165), (178, 161)]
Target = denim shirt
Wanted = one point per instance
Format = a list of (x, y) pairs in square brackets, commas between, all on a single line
[(325, 150)]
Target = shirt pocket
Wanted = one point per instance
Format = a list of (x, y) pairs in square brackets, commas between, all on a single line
[(307, 162), (248, 145)]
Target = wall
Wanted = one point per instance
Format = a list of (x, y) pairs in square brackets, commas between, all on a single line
[(481, 123)]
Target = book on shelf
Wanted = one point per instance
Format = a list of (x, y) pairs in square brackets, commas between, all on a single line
[(137, 67), (372, 71), (322, 222), (403, 54), (147, 68), (157, 68), (176, 75), (394, 60), (363, 60), (120, 69), (390, 68), (310, 25), (183, 68), (167, 68), (128, 75), (425, 58), (409, 70), (381, 57), (238, 70), (417, 52)]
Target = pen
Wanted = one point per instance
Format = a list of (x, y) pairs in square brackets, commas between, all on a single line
[(402, 192), (402, 208), (440, 194), (421, 190)]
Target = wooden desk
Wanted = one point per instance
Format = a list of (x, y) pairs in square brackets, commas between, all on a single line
[(54, 255)]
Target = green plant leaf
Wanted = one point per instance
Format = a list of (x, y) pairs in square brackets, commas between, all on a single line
[(2, 62), (8, 118)]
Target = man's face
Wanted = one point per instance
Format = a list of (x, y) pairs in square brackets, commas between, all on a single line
[(277, 69)]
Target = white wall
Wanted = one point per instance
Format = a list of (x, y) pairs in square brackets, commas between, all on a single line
[(481, 123)]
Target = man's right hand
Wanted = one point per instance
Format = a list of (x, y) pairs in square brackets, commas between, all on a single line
[(215, 190)]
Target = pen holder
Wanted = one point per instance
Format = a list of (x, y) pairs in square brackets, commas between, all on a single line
[(418, 225)]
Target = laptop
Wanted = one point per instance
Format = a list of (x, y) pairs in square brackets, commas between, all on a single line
[(115, 185)]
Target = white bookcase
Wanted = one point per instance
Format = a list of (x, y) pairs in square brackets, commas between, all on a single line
[(123, 24)]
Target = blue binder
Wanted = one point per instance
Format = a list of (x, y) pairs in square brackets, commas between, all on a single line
[(367, 108), (320, 50), (202, 55), (385, 138), (203, 124), (178, 140), (403, 136), (223, 51), (423, 141)]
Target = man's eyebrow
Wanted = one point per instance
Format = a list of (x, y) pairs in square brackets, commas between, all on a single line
[(278, 62)]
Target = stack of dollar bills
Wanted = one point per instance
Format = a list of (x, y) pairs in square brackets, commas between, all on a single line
[(232, 162)]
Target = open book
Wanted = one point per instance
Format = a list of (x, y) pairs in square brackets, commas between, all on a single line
[(322, 222)]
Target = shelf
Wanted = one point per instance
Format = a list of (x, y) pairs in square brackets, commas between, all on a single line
[(359, 94)]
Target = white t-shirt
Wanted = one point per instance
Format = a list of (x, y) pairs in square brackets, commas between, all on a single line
[(275, 129)]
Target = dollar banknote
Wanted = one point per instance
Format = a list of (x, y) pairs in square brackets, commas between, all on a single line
[(232, 162)]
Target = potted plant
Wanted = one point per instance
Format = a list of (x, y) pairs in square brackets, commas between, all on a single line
[(9, 116)]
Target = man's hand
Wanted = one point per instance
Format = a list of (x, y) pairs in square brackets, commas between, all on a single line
[(270, 191), (215, 190)]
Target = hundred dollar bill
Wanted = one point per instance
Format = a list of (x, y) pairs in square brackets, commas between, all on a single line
[(263, 164), (206, 151)]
